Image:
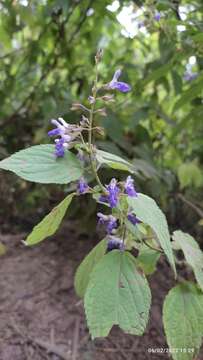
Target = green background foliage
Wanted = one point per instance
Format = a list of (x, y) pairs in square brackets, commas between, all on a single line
[(46, 62)]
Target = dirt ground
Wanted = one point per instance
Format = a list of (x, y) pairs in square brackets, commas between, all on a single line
[(42, 318)]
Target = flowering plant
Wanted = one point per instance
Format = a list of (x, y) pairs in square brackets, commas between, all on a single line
[(111, 279)]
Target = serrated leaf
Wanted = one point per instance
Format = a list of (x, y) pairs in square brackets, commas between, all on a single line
[(114, 161), (38, 164), (183, 320), (50, 223), (148, 212), (117, 294), (192, 253), (85, 268)]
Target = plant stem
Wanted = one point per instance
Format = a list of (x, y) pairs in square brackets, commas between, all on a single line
[(152, 247), (91, 120)]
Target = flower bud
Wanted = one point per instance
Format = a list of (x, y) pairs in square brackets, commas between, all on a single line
[(84, 121), (77, 106), (98, 56), (101, 112), (108, 98), (91, 99)]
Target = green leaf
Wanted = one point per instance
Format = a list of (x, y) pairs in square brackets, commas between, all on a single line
[(117, 294), (50, 223), (188, 95), (148, 212), (192, 253), (198, 37), (158, 73), (114, 161), (38, 164), (147, 259), (84, 270), (183, 320)]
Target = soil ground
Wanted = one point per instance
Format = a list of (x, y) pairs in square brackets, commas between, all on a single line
[(41, 316)]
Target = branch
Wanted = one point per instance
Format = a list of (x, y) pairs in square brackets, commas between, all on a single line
[(192, 205)]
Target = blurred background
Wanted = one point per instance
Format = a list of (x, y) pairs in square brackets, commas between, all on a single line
[(47, 50), (47, 53)]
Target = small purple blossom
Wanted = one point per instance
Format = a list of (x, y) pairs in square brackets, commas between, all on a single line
[(129, 187), (112, 194), (115, 243), (109, 221), (189, 76), (59, 148), (91, 99), (113, 190), (82, 186), (67, 133), (118, 85), (133, 219), (157, 16)]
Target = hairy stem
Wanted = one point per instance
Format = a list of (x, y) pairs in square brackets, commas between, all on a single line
[(91, 123), (152, 247)]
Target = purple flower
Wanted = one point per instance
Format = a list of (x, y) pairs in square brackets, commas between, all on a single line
[(118, 85), (59, 147), (91, 99), (82, 186), (112, 194), (113, 190), (114, 243), (157, 16), (109, 221), (133, 219), (61, 127), (189, 76), (129, 187), (67, 133)]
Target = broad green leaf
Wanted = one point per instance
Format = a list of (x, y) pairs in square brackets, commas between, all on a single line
[(117, 294), (192, 253), (50, 223), (148, 211), (183, 320), (38, 164), (85, 268), (147, 259), (114, 161)]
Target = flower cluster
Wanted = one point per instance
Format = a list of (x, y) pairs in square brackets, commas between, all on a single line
[(68, 134), (112, 194), (109, 221)]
